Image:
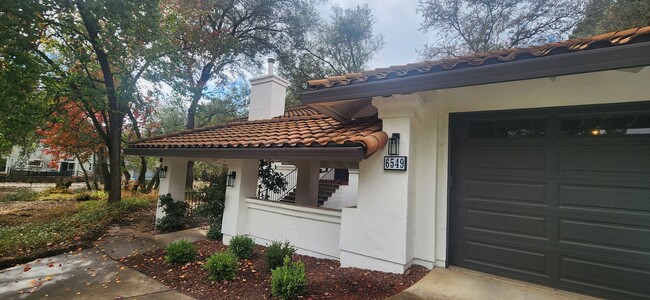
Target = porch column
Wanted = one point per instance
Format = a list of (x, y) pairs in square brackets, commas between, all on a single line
[(307, 185), (378, 234), (235, 212), (174, 181)]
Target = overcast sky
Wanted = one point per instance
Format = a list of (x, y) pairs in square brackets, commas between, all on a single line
[(398, 21)]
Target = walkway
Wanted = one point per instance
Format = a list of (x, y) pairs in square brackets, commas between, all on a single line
[(94, 273), (458, 283)]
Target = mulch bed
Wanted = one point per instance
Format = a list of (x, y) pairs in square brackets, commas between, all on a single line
[(327, 280)]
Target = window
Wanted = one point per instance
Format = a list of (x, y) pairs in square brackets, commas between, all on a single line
[(508, 128), (606, 125)]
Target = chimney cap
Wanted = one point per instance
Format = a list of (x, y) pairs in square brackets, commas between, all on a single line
[(271, 62)]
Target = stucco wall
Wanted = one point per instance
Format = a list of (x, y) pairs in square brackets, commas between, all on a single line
[(313, 231)]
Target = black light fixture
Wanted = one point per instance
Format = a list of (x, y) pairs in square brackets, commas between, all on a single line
[(163, 172), (230, 181), (393, 144)]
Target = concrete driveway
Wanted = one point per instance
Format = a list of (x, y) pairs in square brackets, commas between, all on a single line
[(459, 283), (93, 273)]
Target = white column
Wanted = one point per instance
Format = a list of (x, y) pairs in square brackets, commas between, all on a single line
[(378, 234), (235, 212), (307, 185), (174, 181)]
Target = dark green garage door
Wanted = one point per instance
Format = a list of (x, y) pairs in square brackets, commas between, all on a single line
[(559, 197)]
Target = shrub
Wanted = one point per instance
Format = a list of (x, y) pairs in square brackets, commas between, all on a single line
[(276, 253), (214, 232), (289, 281), (222, 266), (180, 252), (22, 194), (242, 246), (84, 196), (174, 213)]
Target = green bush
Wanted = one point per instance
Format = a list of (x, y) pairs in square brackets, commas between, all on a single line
[(174, 213), (222, 266), (180, 252), (22, 194), (289, 281), (242, 246), (214, 232), (276, 253)]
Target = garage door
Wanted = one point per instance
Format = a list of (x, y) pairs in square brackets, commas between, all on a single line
[(559, 197)]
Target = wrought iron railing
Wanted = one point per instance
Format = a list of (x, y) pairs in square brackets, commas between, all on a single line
[(194, 200), (292, 181)]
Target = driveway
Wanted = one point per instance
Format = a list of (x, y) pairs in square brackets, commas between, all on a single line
[(93, 273)]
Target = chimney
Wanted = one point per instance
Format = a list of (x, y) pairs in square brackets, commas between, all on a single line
[(267, 95)]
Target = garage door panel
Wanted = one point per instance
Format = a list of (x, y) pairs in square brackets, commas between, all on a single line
[(497, 256), (493, 159), (614, 236), (604, 161), (617, 199), (506, 191), (622, 280), (505, 223)]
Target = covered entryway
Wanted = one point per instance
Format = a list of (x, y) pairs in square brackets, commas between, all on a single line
[(559, 197)]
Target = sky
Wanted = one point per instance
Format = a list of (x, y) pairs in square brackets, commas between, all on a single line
[(399, 23)]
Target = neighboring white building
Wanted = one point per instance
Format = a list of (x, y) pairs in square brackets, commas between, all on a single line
[(529, 163), (39, 161)]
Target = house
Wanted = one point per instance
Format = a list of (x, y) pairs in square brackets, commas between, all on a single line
[(529, 163), (38, 162)]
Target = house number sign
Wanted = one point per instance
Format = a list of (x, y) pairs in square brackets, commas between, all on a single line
[(395, 163)]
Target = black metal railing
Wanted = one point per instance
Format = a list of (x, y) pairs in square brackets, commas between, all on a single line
[(292, 182), (21, 172), (194, 200)]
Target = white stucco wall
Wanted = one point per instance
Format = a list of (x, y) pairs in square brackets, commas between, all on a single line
[(313, 231)]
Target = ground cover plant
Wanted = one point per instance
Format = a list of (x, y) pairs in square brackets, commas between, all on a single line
[(325, 278), (34, 228)]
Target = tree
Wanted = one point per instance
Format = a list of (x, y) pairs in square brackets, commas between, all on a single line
[(96, 52), (208, 37), (70, 134), (476, 26), (345, 44), (602, 16)]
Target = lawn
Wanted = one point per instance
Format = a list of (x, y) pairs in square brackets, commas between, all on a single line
[(52, 222)]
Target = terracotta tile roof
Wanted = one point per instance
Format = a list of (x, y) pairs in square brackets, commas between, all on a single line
[(311, 130), (290, 111), (640, 34)]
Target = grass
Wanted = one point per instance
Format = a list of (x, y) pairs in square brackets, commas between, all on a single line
[(90, 220)]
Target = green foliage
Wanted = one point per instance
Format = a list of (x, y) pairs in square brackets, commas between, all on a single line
[(22, 194), (180, 252), (468, 26), (269, 179), (603, 16), (222, 266), (289, 281), (214, 232), (174, 213), (213, 196), (86, 224), (276, 253), (344, 44), (242, 246)]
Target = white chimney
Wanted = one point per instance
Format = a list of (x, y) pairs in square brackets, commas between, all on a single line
[(267, 95)]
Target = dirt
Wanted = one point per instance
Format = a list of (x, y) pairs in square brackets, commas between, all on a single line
[(326, 279), (34, 212)]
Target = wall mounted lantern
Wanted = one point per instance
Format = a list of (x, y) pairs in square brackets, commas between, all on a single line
[(163, 172), (230, 181), (393, 144)]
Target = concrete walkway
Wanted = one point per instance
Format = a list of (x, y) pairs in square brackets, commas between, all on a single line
[(458, 283), (94, 273)]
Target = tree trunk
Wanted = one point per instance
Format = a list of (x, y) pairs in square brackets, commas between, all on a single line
[(206, 73), (154, 180), (95, 172), (84, 171), (126, 174), (142, 175), (106, 173)]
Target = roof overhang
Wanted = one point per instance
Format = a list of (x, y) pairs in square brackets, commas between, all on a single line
[(593, 60), (306, 153)]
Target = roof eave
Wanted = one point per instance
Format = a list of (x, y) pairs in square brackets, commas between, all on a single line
[(306, 153), (610, 58)]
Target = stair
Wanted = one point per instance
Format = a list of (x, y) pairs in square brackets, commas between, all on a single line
[(326, 188)]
